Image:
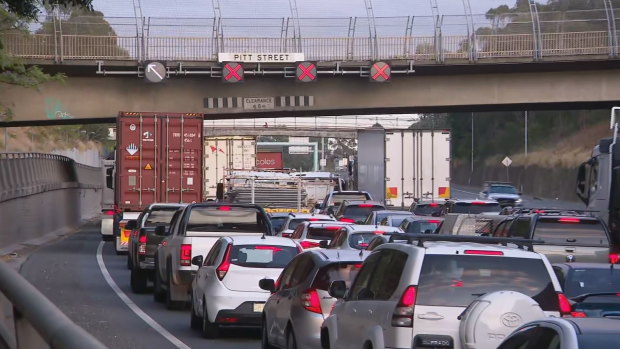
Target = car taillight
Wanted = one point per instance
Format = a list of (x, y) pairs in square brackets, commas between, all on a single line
[(186, 255), (578, 314), (433, 204), (222, 269), (434, 221), (347, 220), (311, 302), (569, 220), (142, 245), (403, 313), (614, 258), (312, 219), (477, 202), (109, 213), (364, 205), (224, 208), (484, 252), (309, 244), (565, 307)]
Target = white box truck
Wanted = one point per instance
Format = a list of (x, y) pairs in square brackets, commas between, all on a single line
[(225, 154), (400, 166)]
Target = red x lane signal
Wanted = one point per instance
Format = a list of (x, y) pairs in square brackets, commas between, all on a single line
[(380, 72), (306, 72), (232, 72)]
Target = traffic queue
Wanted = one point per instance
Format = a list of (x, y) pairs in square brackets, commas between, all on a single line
[(357, 274)]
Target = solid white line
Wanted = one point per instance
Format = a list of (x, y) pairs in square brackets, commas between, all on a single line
[(149, 320)]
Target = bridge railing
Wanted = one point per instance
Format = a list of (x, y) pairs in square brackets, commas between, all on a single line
[(423, 39)]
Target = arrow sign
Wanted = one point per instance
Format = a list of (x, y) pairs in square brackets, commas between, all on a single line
[(155, 72)]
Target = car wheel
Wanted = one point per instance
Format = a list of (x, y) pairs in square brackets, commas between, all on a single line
[(170, 303), (209, 329), (158, 292), (324, 339), (195, 321), (138, 280), (291, 343), (264, 343)]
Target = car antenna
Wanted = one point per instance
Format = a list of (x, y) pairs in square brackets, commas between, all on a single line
[(263, 237)]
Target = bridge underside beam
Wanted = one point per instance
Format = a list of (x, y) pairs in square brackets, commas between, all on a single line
[(81, 98), (245, 131)]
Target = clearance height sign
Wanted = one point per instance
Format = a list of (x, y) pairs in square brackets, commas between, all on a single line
[(269, 160)]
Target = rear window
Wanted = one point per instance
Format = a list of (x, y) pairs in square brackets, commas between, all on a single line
[(395, 220), (422, 227), (337, 199), (227, 219), (337, 271), (360, 213), (160, 216), (322, 233), (570, 230), (360, 241), (431, 209), (297, 221), (277, 222), (262, 256), (582, 281), (457, 280), (466, 207)]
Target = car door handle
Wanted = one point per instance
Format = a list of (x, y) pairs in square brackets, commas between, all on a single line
[(571, 250), (571, 240), (430, 316)]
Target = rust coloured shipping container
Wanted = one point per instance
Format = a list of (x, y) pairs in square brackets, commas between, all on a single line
[(158, 159)]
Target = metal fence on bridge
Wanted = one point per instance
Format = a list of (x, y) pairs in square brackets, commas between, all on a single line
[(421, 39)]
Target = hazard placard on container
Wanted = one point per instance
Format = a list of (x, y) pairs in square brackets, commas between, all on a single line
[(148, 167)]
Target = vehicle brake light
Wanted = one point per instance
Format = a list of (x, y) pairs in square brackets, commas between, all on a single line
[(271, 248), (311, 302), (142, 245), (224, 208), (378, 232), (222, 269), (332, 227), (363, 244), (186, 255), (578, 314), (403, 313), (364, 205), (477, 202), (313, 219), (287, 235), (434, 221), (565, 307), (347, 220), (309, 244), (483, 252), (109, 213), (357, 266), (433, 204), (614, 258), (569, 220)]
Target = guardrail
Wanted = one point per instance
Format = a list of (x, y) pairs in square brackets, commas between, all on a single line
[(38, 323), (418, 39)]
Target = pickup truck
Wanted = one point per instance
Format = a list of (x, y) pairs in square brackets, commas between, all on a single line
[(193, 231), (144, 241)]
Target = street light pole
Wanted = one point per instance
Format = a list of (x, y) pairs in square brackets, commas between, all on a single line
[(472, 147)]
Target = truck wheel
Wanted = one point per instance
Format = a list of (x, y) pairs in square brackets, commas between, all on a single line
[(209, 329), (138, 280), (170, 303), (158, 293)]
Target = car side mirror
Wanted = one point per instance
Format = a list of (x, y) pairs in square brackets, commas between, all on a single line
[(161, 230), (337, 289), (323, 243), (197, 260), (131, 224), (267, 285)]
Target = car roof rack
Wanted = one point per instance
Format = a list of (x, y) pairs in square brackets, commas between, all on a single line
[(553, 211), (421, 238)]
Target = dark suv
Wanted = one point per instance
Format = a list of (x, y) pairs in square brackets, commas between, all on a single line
[(568, 236), (357, 211)]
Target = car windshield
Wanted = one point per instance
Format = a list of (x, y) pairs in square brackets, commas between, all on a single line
[(422, 227), (262, 256), (345, 271), (338, 198), (457, 280), (589, 280), (160, 216), (227, 219), (360, 212), (431, 209), (278, 222), (570, 230), (476, 207), (503, 189), (360, 241)]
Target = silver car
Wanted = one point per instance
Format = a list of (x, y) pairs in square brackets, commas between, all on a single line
[(299, 302), (357, 237)]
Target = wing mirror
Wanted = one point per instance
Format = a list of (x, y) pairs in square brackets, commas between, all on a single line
[(267, 285), (337, 289), (161, 230), (197, 260), (131, 224), (323, 244)]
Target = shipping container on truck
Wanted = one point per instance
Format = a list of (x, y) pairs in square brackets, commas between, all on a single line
[(269, 160), (225, 154), (401, 166), (158, 159)]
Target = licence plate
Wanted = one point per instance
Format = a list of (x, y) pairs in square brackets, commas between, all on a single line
[(258, 307)]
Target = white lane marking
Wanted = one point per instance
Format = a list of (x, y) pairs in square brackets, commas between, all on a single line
[(149, 320)]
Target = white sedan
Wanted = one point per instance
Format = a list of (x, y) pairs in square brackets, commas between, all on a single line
[(225, 290)]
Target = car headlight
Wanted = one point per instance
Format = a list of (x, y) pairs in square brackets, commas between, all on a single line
[(519, 200)]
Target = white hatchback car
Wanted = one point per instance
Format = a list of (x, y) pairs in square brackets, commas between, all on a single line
[(295, 219), (225, 290), (432, 295), (310, 234)]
